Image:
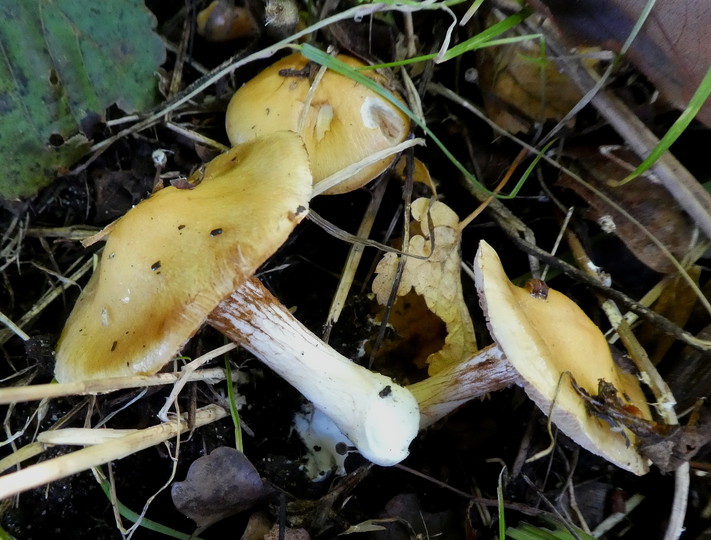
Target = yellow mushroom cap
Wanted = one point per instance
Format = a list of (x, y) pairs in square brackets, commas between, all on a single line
[(171, 259), (345, 123), (544, 336)]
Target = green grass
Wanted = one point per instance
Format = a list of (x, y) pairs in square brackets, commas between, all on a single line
[(697, 101), (146, 523), (233, 406), (485, 38)]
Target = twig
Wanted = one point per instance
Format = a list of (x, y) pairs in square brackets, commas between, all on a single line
[(185, 374), (661, 322), (517, 507), (354, 256), (15, 329)]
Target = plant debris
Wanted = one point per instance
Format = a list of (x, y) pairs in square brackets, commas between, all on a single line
[(501, 121)]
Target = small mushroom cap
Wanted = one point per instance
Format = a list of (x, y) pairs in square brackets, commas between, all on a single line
[(545, 337), (171, 259), (223, 21), (346, 122)]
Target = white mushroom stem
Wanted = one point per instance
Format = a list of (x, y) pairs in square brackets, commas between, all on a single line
[(440, 394), (380, 417)]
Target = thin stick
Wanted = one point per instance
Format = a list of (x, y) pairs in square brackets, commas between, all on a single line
[(15, 329)]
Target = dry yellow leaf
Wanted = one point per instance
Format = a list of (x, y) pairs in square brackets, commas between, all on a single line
[(436, 279)]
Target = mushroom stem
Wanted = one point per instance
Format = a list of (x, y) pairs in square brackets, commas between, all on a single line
[(486, 371), (379, 417)]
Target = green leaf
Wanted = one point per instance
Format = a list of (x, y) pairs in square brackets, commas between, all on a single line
[(62, 63)]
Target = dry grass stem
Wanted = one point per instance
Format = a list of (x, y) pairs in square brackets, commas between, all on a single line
[(46, 299), (354, 256), (347, 172), (103, 386), (187, 372), (93, 456)]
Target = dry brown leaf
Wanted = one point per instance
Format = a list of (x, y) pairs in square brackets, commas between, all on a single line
[(676, 302), (670, 48), (218, 485), (521, 88), (689, 374), (645, 201), (436, 279)]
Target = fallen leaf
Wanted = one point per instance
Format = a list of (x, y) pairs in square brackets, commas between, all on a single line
[(218, 485), (65, 62), (689, 373), (644, 200), (522, 87), (436, 279), (668, 49), (676, 302)]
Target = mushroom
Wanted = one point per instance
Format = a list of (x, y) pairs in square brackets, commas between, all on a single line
[(184, 253), (378, 416), (345, 122), (223, 21), (171, 259), (543, 342)]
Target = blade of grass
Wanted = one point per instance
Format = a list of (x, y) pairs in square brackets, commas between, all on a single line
[(476, 4), (529, 532), (233, 406), (334, 64), (697, 101), (488, 34), (149, 524), (483, 39), (526, 531), (500, 500), (425, 57)]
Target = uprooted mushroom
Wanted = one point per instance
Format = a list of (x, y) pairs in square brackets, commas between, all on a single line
[(545, 343), (184, 257)]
